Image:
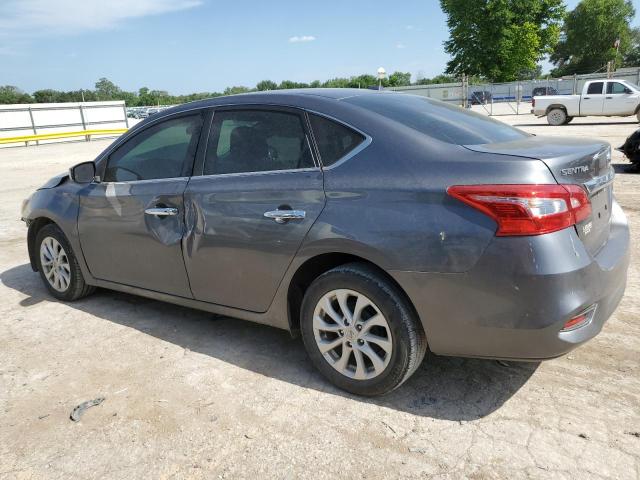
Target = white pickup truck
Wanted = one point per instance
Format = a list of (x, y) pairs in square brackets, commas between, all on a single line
[(599, 97)]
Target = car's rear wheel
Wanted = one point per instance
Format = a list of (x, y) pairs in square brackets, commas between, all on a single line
[(360, 331), (568, 120), (58, 265), (556, 117)]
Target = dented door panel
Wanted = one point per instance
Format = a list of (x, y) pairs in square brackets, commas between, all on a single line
[(121, 243)]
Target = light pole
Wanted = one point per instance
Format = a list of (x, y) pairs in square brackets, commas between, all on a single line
[(382, 73)]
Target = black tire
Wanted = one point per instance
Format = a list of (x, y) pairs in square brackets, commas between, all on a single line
[(568, 120), (77, 287), (409, 340)]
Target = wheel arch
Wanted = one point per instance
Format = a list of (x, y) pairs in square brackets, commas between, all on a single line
[(554, 106), (34, 227), (315, 266)]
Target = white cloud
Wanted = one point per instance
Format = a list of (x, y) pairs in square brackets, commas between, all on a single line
[(303, 38), (41, 17), (400, 45)]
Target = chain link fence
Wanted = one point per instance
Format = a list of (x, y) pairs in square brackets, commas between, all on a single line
[(510, 98)]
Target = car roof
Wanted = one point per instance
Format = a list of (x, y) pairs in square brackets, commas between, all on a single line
[(287, 96)]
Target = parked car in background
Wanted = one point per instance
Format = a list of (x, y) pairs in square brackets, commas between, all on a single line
[(599, 97), (542, 91), (480, 97), (375, 224)]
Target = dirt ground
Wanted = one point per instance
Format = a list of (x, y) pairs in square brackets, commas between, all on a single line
[(189, 395)]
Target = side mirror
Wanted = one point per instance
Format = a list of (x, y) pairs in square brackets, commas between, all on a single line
[(84, 172), (627, 90)]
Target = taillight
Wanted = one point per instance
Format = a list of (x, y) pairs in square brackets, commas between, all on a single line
[(533, 102), (527, 209)]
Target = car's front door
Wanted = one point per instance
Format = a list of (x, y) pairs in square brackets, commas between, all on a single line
[(619, 100), (247, 214), (131, 223), (591, 103)]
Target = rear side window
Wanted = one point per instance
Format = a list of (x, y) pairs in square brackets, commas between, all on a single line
[(595, 88), (334, 140), (439, 120), (243, 141)]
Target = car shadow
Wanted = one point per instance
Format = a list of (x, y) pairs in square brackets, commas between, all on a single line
[(443, 387)]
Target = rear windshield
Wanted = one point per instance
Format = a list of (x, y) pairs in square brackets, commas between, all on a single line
[(444, 122)]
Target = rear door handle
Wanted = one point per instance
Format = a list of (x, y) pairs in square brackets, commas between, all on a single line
[(609, 98), (587, 98), (283, 216), (161, 211)]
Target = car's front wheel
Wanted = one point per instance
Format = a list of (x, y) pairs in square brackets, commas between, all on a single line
[(58, 265), (360, 331)]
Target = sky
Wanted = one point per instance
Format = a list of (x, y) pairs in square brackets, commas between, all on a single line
[(186, 46)]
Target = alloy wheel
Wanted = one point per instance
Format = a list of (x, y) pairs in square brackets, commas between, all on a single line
[(352, 334), (55, 264)]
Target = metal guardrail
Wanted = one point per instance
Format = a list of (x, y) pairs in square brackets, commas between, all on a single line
[(50, 136), (74, 119)]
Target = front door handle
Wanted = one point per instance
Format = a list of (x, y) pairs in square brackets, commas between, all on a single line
[(609, 98), (283, 216), (162, 211)]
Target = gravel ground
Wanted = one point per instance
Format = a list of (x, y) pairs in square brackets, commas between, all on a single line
[(189, 395)]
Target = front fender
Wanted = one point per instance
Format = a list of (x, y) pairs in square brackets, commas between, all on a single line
[(59, 205)]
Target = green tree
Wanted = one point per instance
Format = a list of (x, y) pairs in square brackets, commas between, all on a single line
[(236, 90), (336, 83), (499, 39), (399, 79), (48, 96), (590, 33), (363, 81), (10, 94), (266, 85), (631, 57), (106, 89)]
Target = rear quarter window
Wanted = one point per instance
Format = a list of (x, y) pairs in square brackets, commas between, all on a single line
[(334, 140), (439, 120)]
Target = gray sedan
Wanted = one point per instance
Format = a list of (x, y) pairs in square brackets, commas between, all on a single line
[(376, 225)]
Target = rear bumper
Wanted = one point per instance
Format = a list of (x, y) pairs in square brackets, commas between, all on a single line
[(514, 302)]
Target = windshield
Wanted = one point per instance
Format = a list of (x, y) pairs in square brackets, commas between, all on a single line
[(439, 120)]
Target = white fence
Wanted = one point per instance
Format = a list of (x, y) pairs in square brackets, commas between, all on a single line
[(40, 123)]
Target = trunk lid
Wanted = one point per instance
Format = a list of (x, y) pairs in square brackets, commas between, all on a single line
[(572, 161)]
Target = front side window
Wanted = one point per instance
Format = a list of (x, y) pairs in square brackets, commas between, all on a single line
[(165, 150), (243, 141), (616, 87), (595, 88), (333, 139)]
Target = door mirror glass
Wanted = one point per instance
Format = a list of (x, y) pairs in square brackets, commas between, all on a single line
[(84, 172)]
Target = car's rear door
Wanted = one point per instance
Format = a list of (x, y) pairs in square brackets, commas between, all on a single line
[(131, 223), (259, 192), (592, 102)]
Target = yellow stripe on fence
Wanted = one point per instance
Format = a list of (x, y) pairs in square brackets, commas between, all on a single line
[(51, 136)]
